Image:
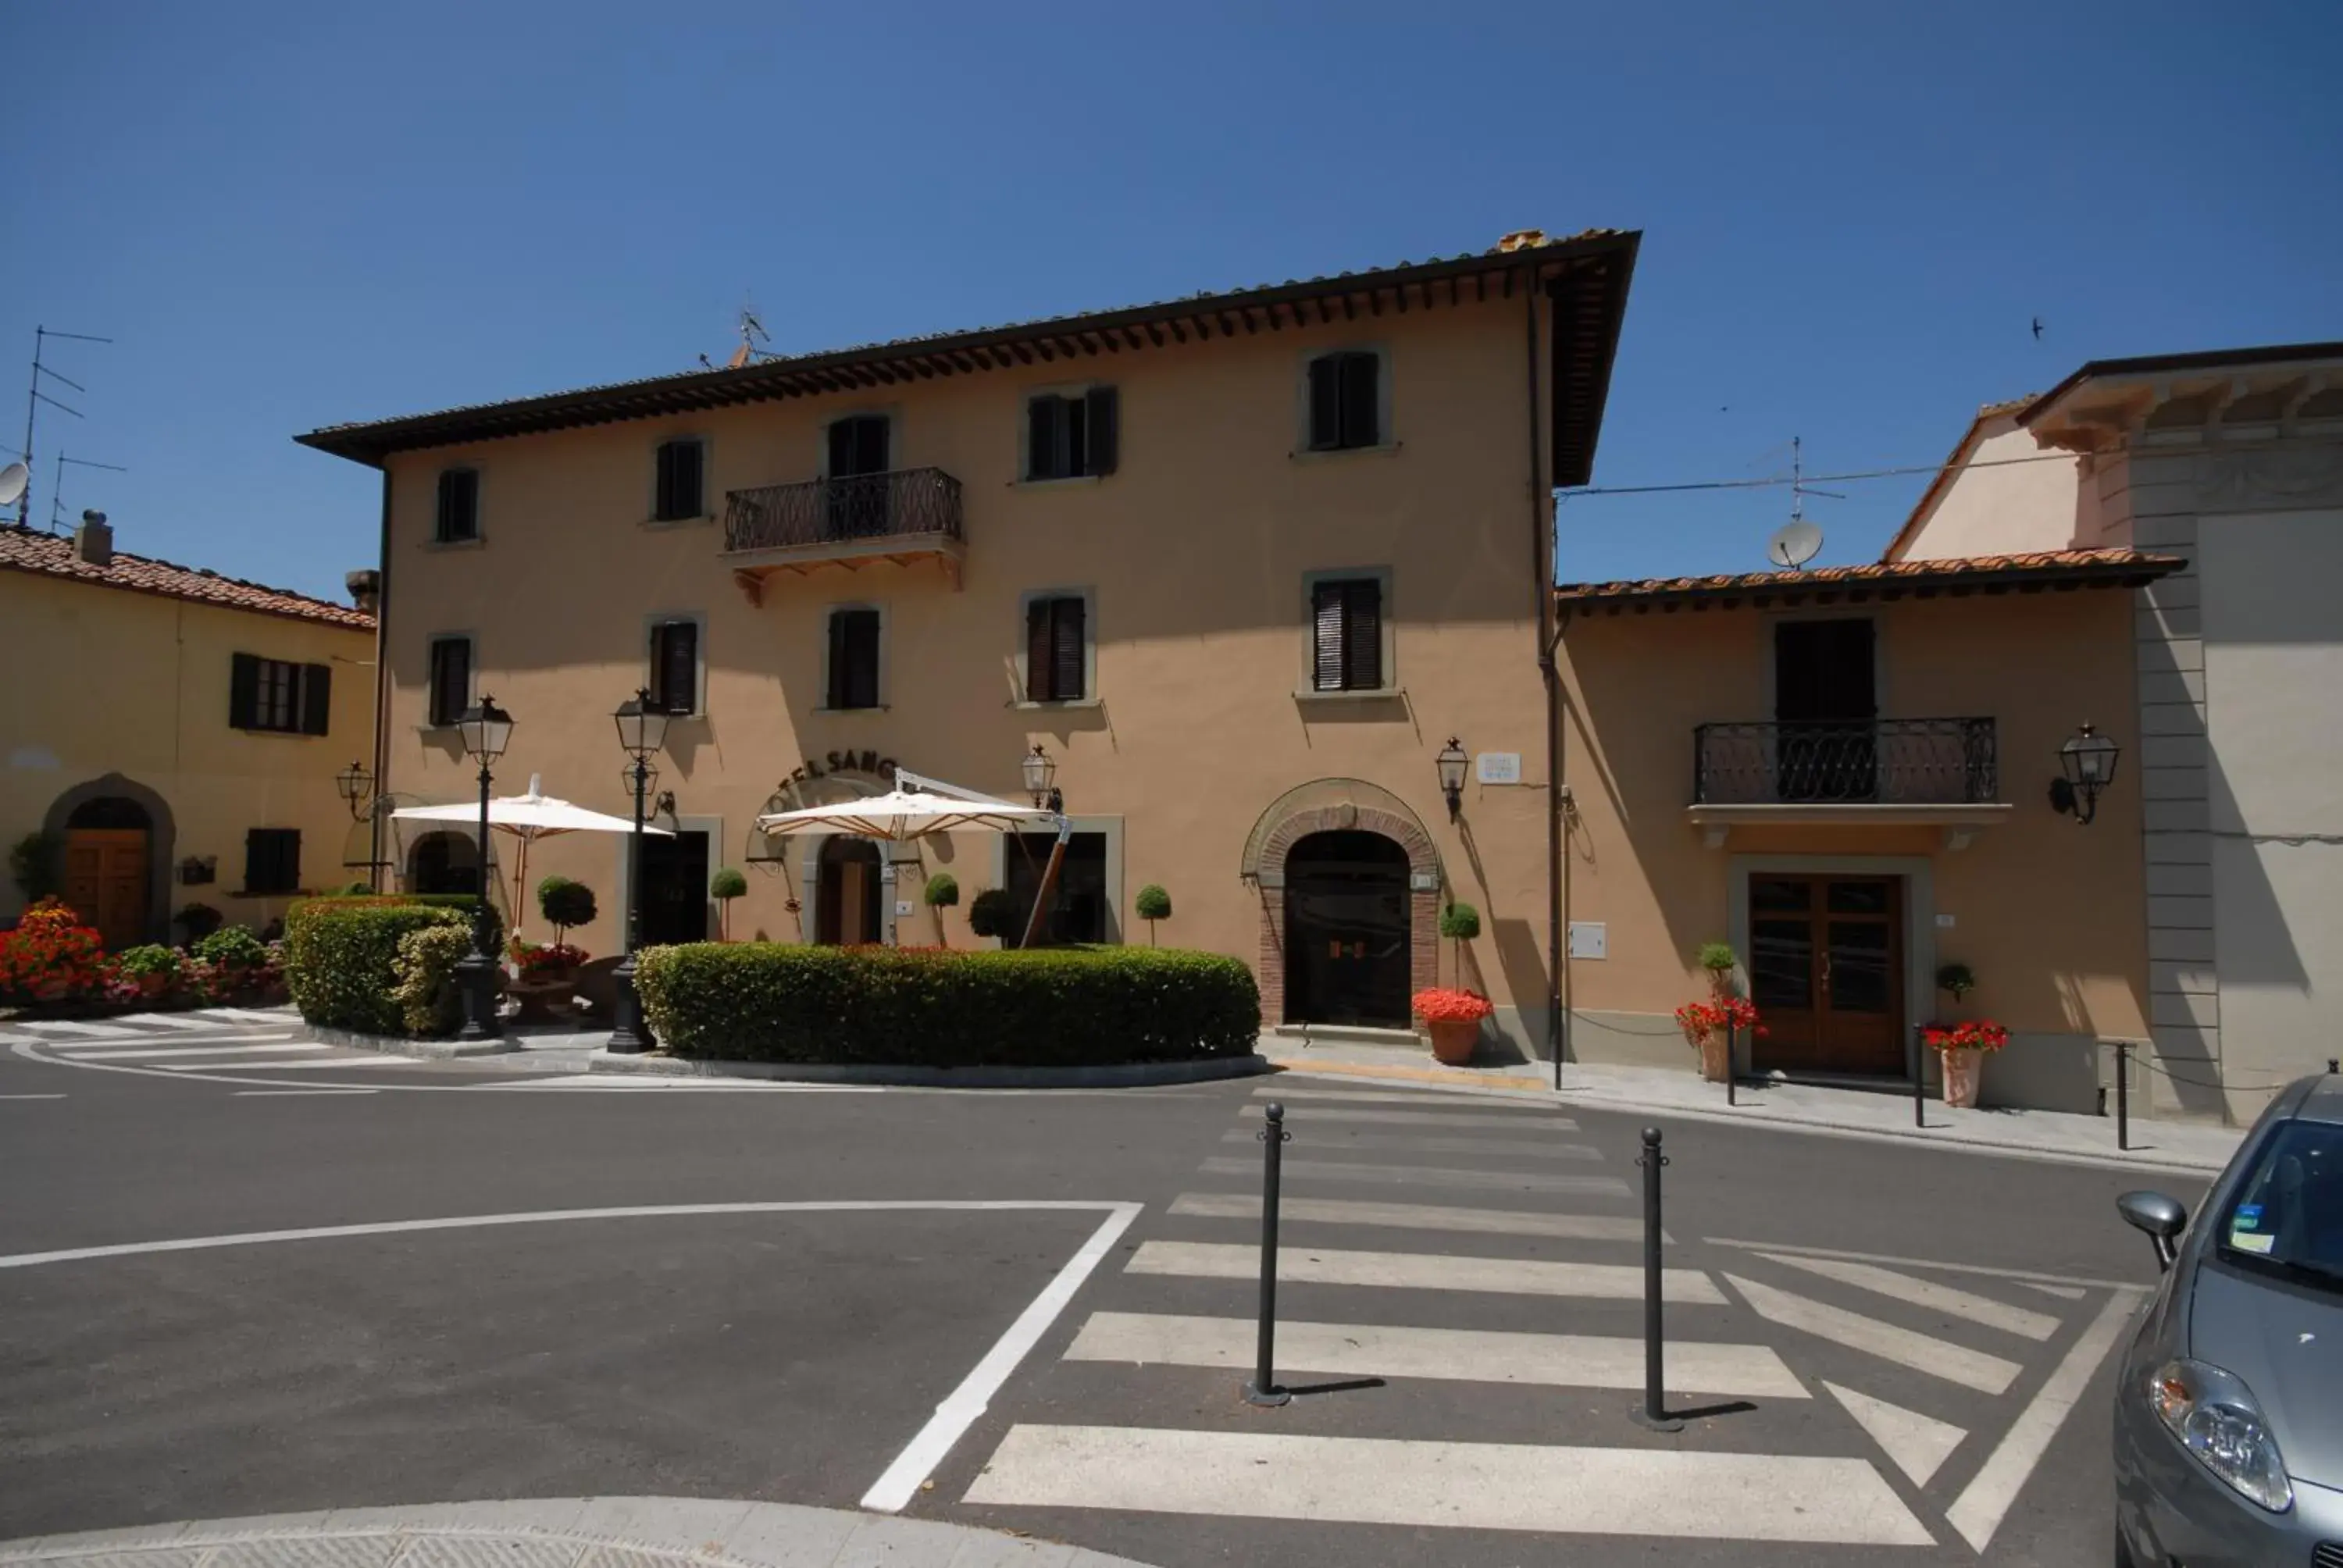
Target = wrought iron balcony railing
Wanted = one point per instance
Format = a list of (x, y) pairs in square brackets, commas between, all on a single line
[(923, 502), (1883, 761)]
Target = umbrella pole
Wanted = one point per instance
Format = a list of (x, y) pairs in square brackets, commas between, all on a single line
[(1049, 881)]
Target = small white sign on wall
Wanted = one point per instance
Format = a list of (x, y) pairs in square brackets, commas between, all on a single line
[(1589, 940), (1498, 767), (902, 908), (1944, 922)]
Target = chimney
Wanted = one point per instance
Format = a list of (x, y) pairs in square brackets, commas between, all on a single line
[(93, 540), (366, 588)]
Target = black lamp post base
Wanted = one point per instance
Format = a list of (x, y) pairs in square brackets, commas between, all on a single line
[(1270, 1397), (475, 976), (628, 1035)]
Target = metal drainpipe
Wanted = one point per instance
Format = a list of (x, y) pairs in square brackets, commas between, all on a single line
[(381, 689), (1542, 584)]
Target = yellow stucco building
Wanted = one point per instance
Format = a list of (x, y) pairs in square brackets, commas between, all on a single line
[(177, 731)]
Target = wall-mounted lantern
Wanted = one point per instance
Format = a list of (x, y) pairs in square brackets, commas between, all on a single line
[(355, 785), (2087, 763), (1451, 763), (1039, 772)]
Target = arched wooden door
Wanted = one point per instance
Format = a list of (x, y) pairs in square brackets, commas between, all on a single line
[(107, 842), (1346, 931)]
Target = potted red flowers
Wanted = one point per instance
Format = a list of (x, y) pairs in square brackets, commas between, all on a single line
[(1454, 1019), (1962, 1048), (1708, 1029)]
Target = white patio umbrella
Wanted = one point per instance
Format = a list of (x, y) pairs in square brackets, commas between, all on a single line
[(527, 818), (906, 814)]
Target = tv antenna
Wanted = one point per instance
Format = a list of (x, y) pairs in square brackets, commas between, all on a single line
[(41, 336), (57, 483), (752, 334), (1797, 541)]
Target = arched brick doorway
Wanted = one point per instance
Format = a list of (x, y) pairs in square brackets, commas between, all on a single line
[(1351, 809), (118, 839)]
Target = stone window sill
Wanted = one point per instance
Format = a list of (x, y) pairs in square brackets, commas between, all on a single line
[(1067, 482), (874, 708), (476, 542), (1030, 704), (1336, 454), (662, 525), (1379, 694)]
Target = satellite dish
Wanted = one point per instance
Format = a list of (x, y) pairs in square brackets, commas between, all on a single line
[(13, 480), (1794, 544)]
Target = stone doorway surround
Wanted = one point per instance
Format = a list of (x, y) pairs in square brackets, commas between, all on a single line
[(1332, 806)]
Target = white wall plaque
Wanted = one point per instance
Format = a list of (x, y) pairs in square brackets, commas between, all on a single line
[(1498, 767), (1589, 940), (1944, 922)]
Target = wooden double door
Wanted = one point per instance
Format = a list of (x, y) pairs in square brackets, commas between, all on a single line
[(106, 882), (1826, 972)]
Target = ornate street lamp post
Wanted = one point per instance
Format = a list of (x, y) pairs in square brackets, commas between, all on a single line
[(2087, 761), (642, 730), (486, 730)]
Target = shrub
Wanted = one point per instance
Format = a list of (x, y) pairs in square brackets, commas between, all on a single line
[(991, 913), (1955, 981), (1153, 904), (942, 890), (150, 958), (725, 886), (36, 862), (50, 957), (564, 904), (341, 954), (233, 948), (1717, 958), (351, 891), (198, 921), (424, 979), (1057, 1007)]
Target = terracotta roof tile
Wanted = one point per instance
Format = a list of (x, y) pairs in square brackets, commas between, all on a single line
[(52, 555), (2080, 568)]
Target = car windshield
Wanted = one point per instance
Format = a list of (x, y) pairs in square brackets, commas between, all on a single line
[(2290, 1212)]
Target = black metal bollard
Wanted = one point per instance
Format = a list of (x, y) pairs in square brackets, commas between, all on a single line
[(2123, 1094), (1264, 1388), (1731, 1054), (1919, 1075), (1654, 1414)]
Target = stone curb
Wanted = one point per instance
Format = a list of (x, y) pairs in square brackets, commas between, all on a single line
[(1755, 1117), (434, 1050), (1127, 1075), (587, 1531)]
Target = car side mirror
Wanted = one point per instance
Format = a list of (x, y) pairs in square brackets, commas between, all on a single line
[(2161, 1217)]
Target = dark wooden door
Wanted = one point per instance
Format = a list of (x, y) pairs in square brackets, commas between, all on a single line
[(106, 883), (1827, 704), (675, 888), (846, 892), (1826, 972), (1346, 932)]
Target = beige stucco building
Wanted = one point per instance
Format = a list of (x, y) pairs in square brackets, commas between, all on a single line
[(179, 732), (1242, 563), (2231, 460)]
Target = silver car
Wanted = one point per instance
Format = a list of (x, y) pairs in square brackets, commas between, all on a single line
[(2229, 1406)]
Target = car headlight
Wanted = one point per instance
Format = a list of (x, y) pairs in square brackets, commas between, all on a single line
[(2213, 1415)]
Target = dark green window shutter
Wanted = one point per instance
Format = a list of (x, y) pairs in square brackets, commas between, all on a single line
[(1326, 636), (243, 691), (675, 665), (1041, 430), (1362, 375), (1325, 403), (316, 698), (1104, 434), (1066, 650), (1038, 666), (1363, 634)]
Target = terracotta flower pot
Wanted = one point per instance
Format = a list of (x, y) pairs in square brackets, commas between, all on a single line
[(1454, 1041), (1962, 1070), (1715, 1056)]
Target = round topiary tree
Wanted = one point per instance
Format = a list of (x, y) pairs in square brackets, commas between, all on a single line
[(725, 886), (990, 912), (942, 890), (1153, 904), (1720, 960), (1460, 923), (564, 904)]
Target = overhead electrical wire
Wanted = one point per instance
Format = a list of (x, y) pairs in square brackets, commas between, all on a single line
[(1807, 479)]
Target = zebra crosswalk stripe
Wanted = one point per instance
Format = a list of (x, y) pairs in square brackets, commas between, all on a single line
[(1467, 1355), (1305, 1168), (1296, 1096), (1470, 1485), (1420, 1118), (1533, 1149), (1922, 1352), (1415, 1217), (1423, 1271), (248, 1046), (1922, 1292)]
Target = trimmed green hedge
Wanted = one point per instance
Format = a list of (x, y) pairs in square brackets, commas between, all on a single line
[(1050, 1007), (341, 955)]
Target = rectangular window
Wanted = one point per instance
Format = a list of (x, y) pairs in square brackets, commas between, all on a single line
[(854, 658), (278, 697), (1056, 631), (272, 860), (459, 506), (1072, 436), (451, 678), (675, 665), (1345, 392), (678, 496), (1347, 635)]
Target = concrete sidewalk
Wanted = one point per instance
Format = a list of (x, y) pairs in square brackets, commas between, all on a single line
[(556, 1533), (1844, 1112)]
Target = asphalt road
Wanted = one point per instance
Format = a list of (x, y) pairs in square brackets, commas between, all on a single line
[(794, 1353)]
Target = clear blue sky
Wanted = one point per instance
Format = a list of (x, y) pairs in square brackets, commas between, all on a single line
[(297, 214)]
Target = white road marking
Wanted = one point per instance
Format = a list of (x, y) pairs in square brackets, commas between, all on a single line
[(1921, 1352), (1415, 1216), (1418, 1118), (1469, 1485), (2063, 1292), (285, 1017), (181, 1020), (1376, 1143), (1926, 1294), (901, 1480), (1978, 1510), (1977, 1268), (41, 1027), (287, 1093), (1422, 1272), (1917, 1443), (157, 1053), (1300, 1167), (590, 1081), (31, 1097), (323, 1063), (125, 1050), (205, 1075), (1296, 1096), (1366, 1350)]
